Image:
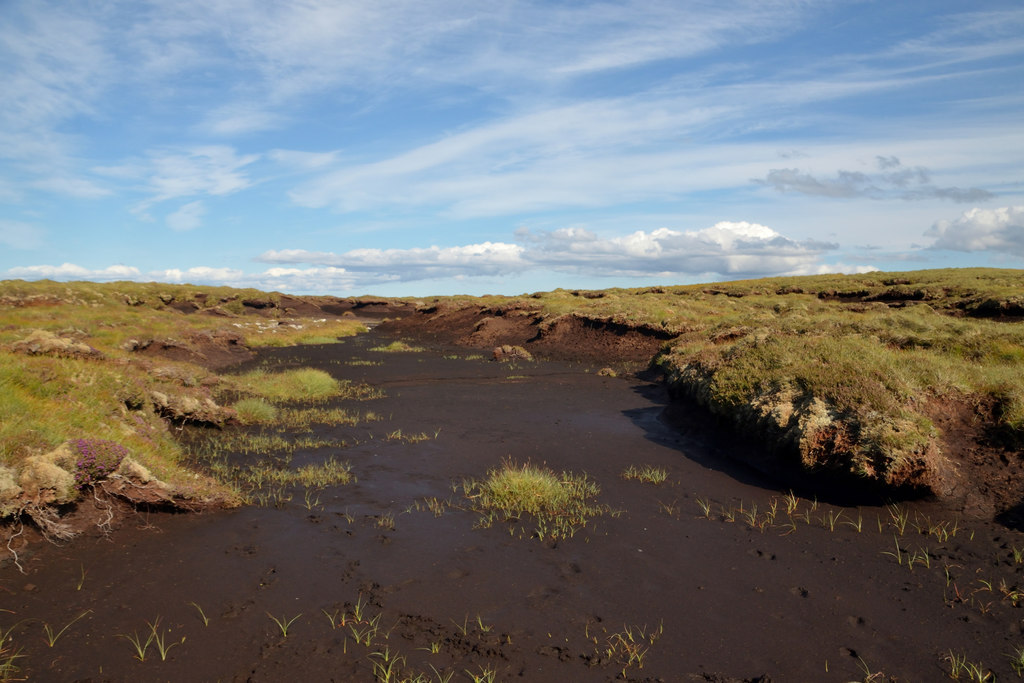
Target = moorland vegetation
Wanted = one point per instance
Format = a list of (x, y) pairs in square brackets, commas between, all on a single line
[(854, 374), (113, 368)]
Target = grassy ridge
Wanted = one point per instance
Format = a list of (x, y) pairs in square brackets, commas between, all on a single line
[(840, 368)]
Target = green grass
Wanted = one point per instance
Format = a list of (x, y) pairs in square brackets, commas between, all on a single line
[(53, 636), (397, 346), (283, 623), (560, 504), (48, 400), (255, 410), (647, 474), (301, 384)]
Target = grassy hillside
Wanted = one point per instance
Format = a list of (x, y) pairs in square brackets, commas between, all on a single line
[(75, 373)]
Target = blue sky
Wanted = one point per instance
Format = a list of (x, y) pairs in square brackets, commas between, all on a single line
[(439, 147)]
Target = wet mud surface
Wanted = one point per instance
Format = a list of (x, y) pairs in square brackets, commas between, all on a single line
[(714, 575)]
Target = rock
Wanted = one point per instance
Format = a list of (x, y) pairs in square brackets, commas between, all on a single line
[(509, 352), (136, 471), (188, 408), (44, 343), (9, 492), (43, 481)]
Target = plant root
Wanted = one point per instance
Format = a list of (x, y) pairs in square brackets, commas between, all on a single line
[(14, 553), (49, 524)]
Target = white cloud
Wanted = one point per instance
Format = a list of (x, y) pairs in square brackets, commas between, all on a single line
[(188, 217), (997, 230), (20, 235), (240, 119), (211, 169), (317, 279), (70, 271), (488, 258), (303, 161), (199, 274), (892, 181), (72, 187), (726, 248), (735, 249)]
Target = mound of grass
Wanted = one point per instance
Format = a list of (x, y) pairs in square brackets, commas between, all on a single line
[(255, 410), (397, 346), (301, 384), (560, 504)]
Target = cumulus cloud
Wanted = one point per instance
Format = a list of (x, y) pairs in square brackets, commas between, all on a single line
[(70, 271), (998, 230), (188, 217), (487, 258), (725, 249), (203, 274), (893, 180), (734, 249), (737, 249)]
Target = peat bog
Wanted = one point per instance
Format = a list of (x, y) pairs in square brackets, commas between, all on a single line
[(716, 574)]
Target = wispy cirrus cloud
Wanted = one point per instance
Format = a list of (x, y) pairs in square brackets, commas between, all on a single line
[(20, 235), (188, 217), (167, 174)]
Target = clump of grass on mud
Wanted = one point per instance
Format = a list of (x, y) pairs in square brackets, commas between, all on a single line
[(255, 410), (301, 384), (309, 385), (397, 346), (560, 504), (648, 474)]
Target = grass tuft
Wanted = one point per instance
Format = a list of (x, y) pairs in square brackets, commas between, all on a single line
[(647, 474), (302, 384), (560, 503)]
